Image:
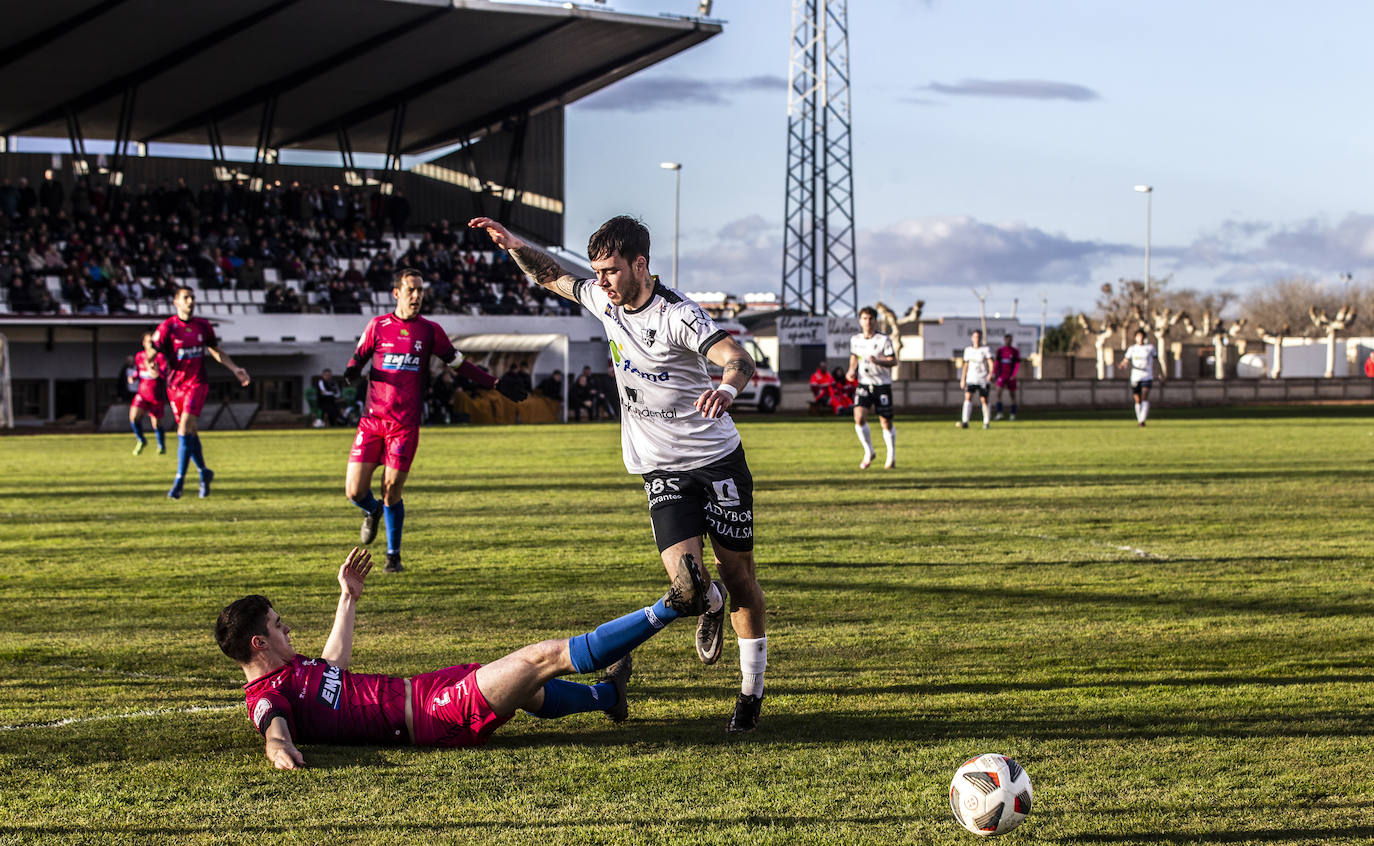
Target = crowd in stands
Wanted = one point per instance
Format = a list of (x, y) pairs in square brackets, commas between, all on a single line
[(325, 246)]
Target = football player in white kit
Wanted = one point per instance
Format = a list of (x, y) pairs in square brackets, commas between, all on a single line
[(674, 430), (973, 379), (870, 358), (1143, 360)]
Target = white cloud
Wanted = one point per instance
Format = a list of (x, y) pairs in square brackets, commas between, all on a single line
[(1016, 89)]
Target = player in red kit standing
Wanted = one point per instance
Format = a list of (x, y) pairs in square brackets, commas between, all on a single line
[(151, 368), (399, 347), (1008, 363), (184, 340)]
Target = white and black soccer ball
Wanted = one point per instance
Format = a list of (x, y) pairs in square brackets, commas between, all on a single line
[(990, 795)]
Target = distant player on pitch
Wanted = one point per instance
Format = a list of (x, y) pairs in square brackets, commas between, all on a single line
[(1008, 363), (292, 699), (973, 379), (399, 347), (674, 429), (1143, 361), (871, 358), (151, 368), (184, 340)]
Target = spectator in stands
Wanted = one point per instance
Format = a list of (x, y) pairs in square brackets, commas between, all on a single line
[(551, 386), (439, 407), (584, 399), (399, 212), (327, 394), (9, 199), (51, 194), (28, 198)]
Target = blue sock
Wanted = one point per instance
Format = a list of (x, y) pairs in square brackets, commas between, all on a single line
[(562, 698), (610, 642), (138, 431), (368, 503), (161, 439), (395, 518), (1013, 408), (196, 455), (183, 454), (999, 406)]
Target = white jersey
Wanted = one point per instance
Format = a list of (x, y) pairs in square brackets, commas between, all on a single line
[(979, 361), (1141, 359), (879, 345), (659, 354)]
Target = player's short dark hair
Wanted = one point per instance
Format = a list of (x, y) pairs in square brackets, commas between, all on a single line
[(239, 622), (1140, 330), (620, 236), (186, 288), (403, 274), (870, 311)]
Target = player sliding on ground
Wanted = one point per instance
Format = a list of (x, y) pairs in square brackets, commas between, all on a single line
[(292, 699), (399, 347), (674, 429), (184, 340), (871, 358)]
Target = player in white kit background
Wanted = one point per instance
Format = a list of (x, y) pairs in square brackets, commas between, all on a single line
[(978, 362), (871, 357), (1143, 361), (675, 432)]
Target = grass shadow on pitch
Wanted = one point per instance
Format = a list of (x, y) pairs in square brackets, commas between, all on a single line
[(1231, 835)]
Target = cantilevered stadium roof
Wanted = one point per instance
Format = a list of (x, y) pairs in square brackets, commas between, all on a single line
[(438, 71)]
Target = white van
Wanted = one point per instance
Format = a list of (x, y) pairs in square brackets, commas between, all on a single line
[(764, 390)]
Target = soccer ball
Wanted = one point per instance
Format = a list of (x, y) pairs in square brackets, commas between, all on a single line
[(990, 795)]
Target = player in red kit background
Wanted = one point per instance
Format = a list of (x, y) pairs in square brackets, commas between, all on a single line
[(151, 368), (399, 347), (184, 340), (293, 699), (1008, 363)]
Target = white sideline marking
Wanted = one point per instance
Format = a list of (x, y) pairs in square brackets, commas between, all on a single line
[(1140, 553), (131, 715)]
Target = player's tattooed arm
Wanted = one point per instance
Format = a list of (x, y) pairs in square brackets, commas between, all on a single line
[(545, 271), (743, 366)]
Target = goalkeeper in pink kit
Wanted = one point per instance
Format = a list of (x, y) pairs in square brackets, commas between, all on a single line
[(293, 699), (399, 347), (1008, 362)]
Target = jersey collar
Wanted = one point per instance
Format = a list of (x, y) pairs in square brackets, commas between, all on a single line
[(657, 292)]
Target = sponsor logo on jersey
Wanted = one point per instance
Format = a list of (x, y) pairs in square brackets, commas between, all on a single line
[(405, 333), (640, 411), (331, 688), (698, 318), (260, 710), (401, 361), (190, 352), (629, 367)]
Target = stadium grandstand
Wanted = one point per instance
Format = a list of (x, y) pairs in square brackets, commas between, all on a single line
[(173, 172)]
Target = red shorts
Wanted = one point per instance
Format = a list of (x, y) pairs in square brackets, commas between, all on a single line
[(384, 442), (189, 399), (153, 407), (1008, 382), (449, 709)]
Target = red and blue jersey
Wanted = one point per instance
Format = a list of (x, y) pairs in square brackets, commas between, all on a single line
[(326, 704), (151, 370), (400, 352), (1008, 359), (183, 343)]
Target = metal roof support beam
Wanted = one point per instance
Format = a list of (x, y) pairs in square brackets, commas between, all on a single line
[(511, 192), (424, 86), (121, 142), (281, 84), (79, 160), (39, 40), (345, 148), (260, 150), (393, 142), (530, 104), (159, 65)]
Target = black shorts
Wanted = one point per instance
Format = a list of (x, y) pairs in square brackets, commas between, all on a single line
[(715, 500), (1143, 383), (875, 398), (980, 390)]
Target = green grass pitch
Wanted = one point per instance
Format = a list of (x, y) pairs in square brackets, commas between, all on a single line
[(1170, 628)]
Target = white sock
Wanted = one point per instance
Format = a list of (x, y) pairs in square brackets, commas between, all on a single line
[(753, 660), (864, 437), (1137, 412), (715, 598), (890, 441), (1144, 410), (968, 409), (987, 413)]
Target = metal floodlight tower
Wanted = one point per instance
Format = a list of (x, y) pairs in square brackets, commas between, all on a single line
[(818, 274)]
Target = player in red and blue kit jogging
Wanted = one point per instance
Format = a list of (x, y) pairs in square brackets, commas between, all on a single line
[(151, 368), (399, 347), (184, 340), (292, 699)]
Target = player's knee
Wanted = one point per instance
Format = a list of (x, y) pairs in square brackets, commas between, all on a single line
[(548, 657)]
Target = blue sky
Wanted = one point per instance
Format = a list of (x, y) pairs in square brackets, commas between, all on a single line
[(996, 144)]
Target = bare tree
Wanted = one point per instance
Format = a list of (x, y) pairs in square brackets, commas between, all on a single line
[(1163, 322), (1100, 336), (1343, 320), (1288, 301), (891, 327), (1275, 338)]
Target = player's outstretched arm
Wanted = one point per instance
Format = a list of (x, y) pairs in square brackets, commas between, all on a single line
[(738, 369), (280, 750), (223, 358), (338, 650), (853, 367), (543, 270)]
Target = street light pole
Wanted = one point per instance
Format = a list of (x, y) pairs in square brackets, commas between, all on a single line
[(676, 168), (1149, 192)]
